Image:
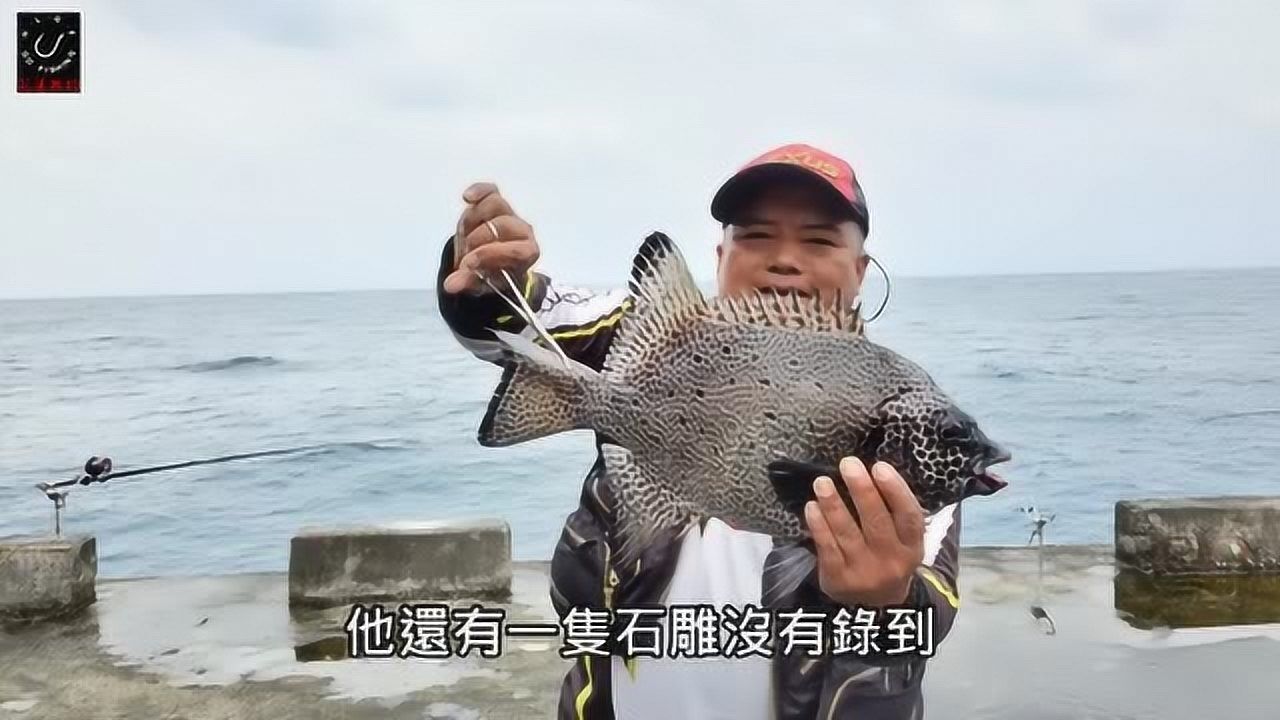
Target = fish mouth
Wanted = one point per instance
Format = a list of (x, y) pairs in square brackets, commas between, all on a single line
[(997, 457)]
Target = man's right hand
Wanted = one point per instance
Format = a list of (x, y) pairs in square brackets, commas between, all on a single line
[(476, 249)]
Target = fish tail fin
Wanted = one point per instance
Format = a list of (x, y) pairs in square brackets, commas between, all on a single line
[(789, 565), (540, 394)]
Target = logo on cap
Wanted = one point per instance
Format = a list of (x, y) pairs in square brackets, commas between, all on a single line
[(805, 158)]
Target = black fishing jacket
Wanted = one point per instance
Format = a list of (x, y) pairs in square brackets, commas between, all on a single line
[(583, 322)]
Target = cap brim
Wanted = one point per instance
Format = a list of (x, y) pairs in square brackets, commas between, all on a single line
[(746, 184)]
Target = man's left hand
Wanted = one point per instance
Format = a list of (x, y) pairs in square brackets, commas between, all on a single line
[(872, 560)]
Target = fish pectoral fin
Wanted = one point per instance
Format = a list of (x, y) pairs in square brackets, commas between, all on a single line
[(530, 352), (789, 565), (793, 483)]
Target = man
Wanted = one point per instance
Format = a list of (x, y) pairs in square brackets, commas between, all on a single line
[(795, 218)]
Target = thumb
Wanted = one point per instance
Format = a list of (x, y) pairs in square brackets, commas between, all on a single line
[(456, 282)]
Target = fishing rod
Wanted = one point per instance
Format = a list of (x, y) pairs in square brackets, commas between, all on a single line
[(1038, 611), (100, 470)]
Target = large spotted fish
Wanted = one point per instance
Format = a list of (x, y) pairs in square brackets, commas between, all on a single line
[(731, 407)]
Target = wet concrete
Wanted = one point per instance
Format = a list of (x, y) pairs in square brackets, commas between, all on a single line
[(46, 577), (1210, 535), (229, 647), (465, 557)]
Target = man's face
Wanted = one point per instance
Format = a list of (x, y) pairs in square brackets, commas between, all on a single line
[(787, 239)]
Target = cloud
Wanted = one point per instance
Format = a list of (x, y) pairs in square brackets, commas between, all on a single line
[(312, 145), (306, 24)]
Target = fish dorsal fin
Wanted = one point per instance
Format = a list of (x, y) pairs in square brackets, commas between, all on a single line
[(789, 310), (661, 281), (664, 300)]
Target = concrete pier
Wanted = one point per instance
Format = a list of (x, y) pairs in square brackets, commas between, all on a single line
[(46, 577), (230, 647), (448, 559), (1205, 536)]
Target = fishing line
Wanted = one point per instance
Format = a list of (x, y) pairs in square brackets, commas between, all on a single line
[(100, 470), (525, 312), (888, 287), (1038, 611)]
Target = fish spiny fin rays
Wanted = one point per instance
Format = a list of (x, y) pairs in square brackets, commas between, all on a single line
[(525, 313), (665, 299), (646, 506), (790, 310)]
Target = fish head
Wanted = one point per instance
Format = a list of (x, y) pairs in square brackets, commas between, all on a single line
[(939, 449)]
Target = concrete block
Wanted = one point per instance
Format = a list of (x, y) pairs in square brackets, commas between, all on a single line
[(468, 558), (1196, 601), (1209, 535), (47, 577)]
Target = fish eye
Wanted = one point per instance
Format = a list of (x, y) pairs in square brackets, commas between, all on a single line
[(953, 433)]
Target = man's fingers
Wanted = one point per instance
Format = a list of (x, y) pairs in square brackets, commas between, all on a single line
[(509, 227), (490, 207), (460, 280), (830, 557), (876, 523), (488, 220), (837, 516), (908, 517), (519, 256), (476, 192)]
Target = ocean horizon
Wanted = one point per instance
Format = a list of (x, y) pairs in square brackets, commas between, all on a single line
[(707, 284), (1105, 386)]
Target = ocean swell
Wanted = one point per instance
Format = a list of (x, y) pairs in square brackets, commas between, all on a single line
[(240, 361)]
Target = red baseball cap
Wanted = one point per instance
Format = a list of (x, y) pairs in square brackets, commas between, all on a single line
[(794, 163)]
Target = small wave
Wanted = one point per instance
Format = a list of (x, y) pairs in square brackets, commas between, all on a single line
[(230, 363), (344, 448), (1242, 414), (1125, 414), (375, 446), (77, 371), (1087, 375), (1000, 371)]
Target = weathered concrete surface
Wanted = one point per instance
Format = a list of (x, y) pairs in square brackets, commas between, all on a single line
[(45, 577), (228, 647), (447, 559), (1214, 535), (1149, 601)]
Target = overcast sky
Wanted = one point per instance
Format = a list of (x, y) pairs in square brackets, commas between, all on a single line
[(257, 145)]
